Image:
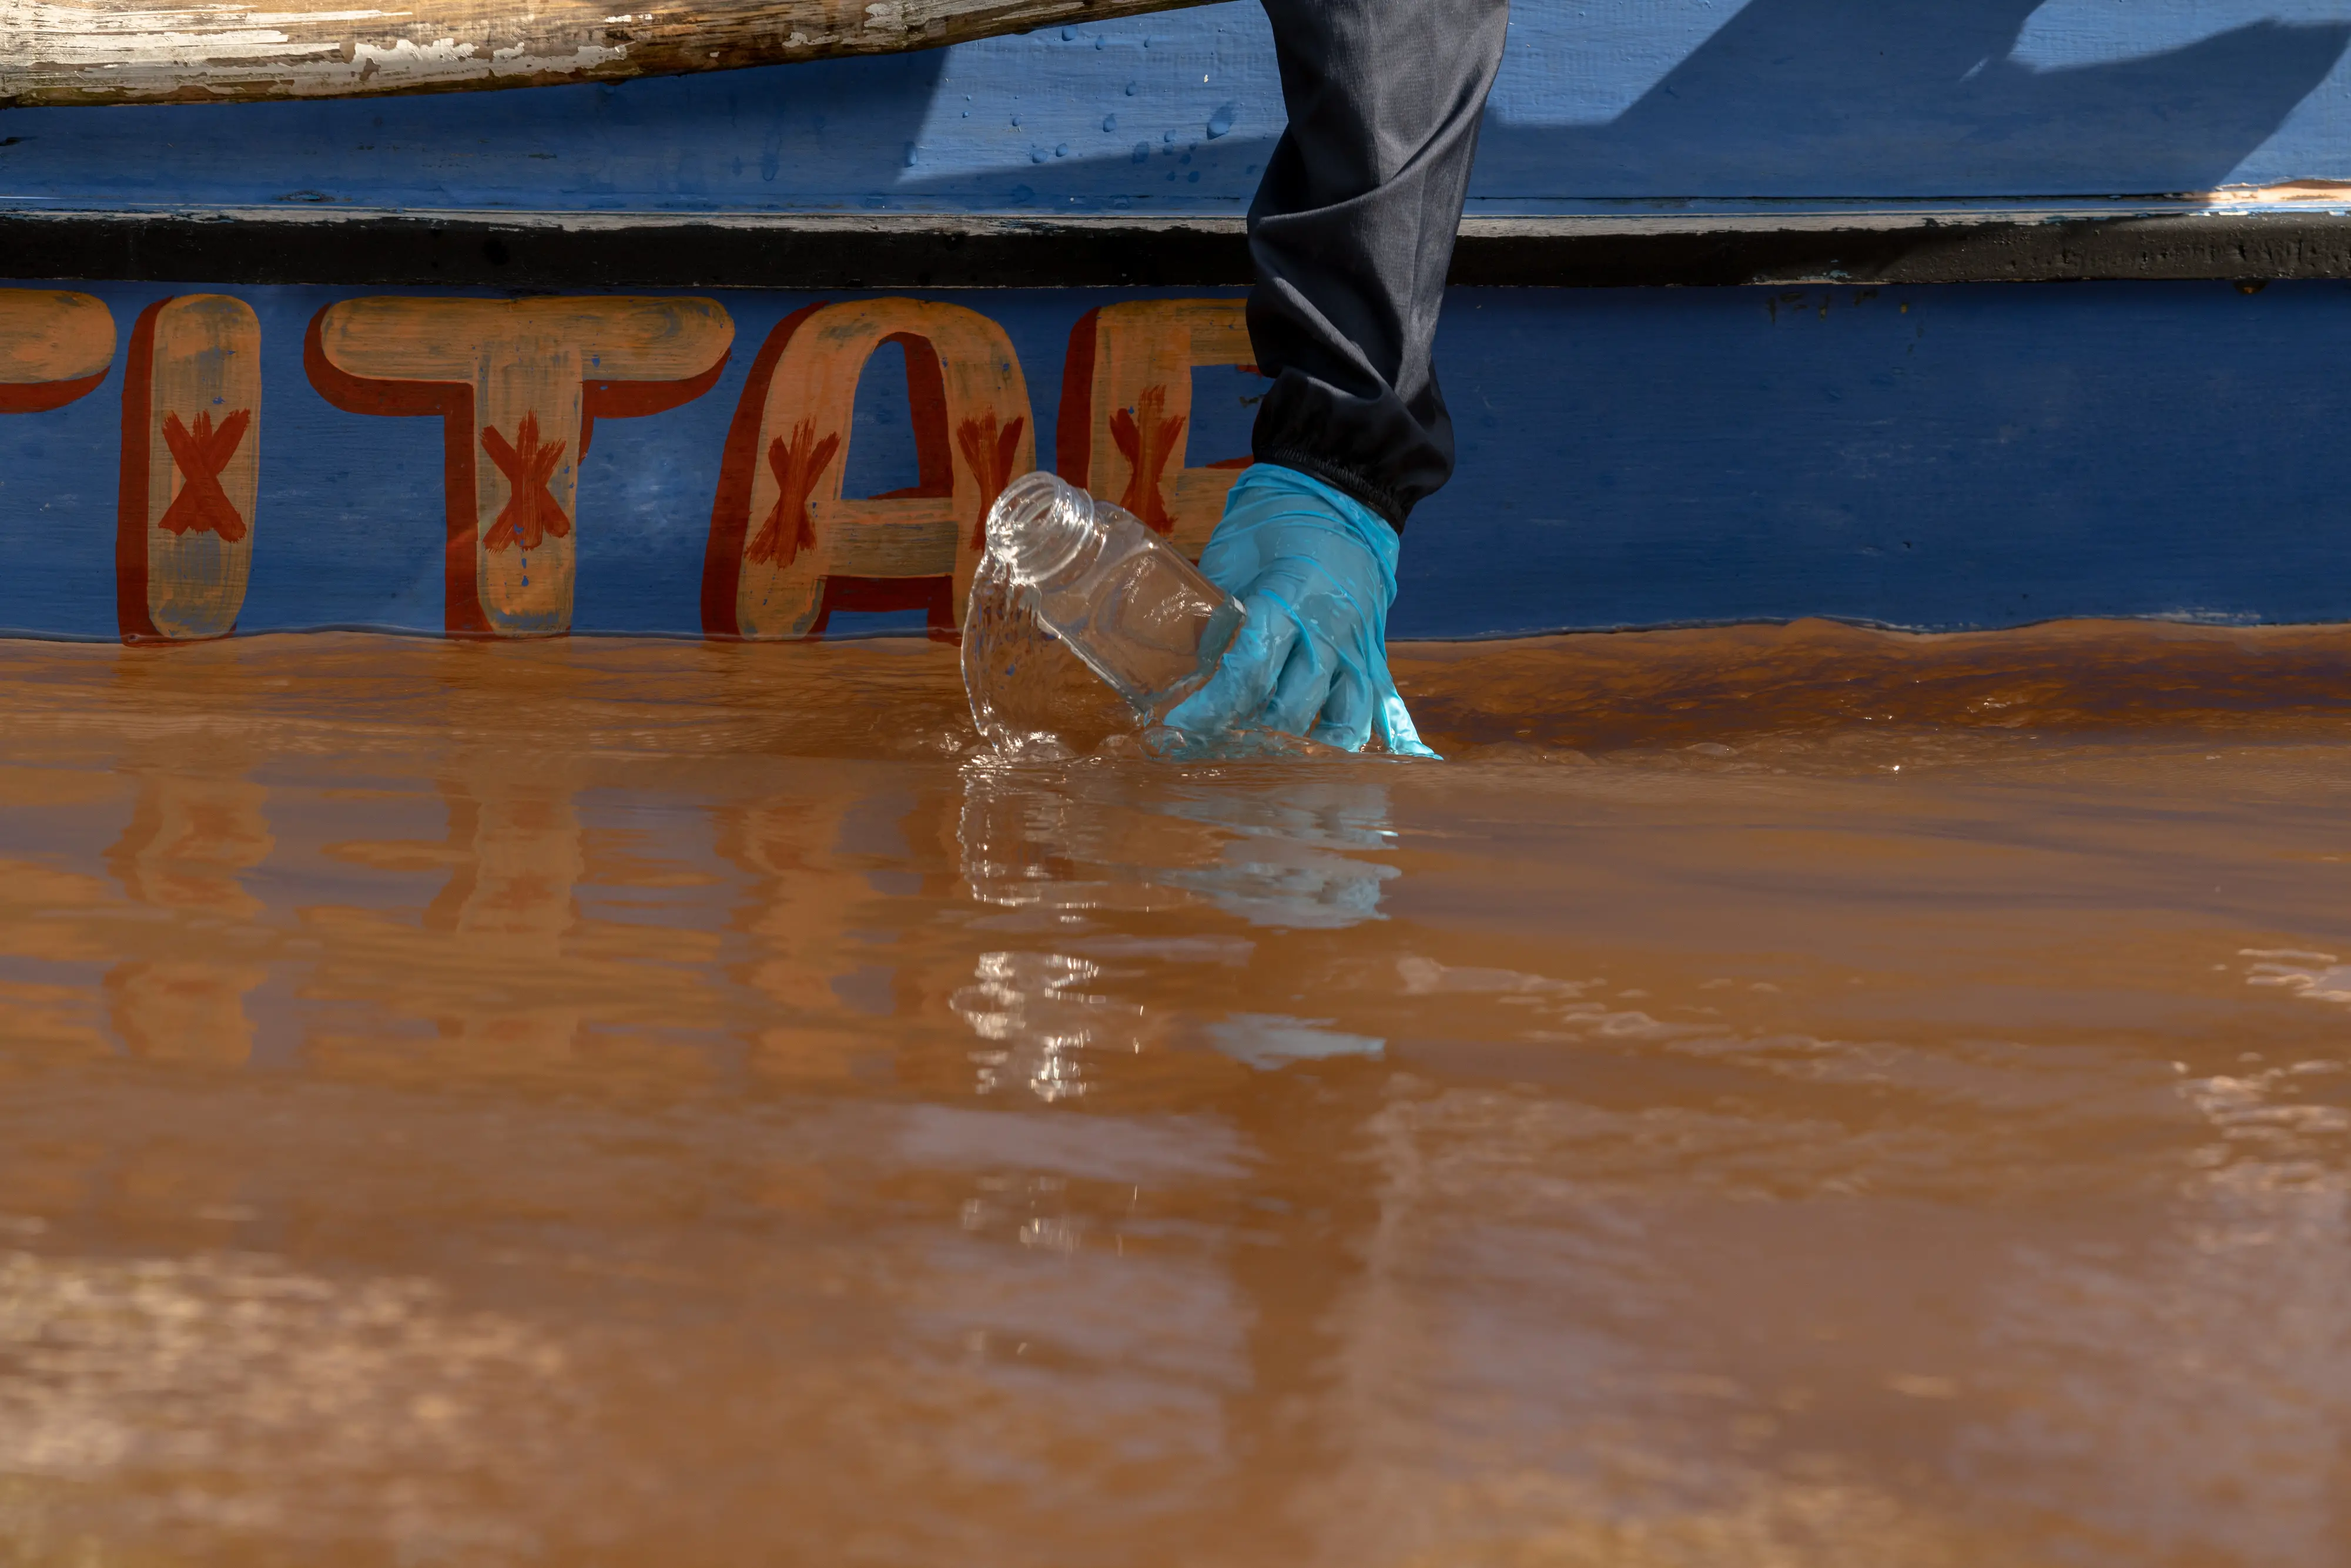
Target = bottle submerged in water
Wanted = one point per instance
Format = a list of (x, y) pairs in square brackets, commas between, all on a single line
[(1123, 598)]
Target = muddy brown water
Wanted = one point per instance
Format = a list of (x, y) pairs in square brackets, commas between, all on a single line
[(1774, 1096)]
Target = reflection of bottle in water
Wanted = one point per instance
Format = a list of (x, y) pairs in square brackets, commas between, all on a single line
[(1122, 598)]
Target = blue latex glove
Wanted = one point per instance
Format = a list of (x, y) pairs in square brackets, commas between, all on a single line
[(1316, 570)]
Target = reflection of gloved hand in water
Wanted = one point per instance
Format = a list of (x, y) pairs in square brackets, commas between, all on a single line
[(1316, 571)]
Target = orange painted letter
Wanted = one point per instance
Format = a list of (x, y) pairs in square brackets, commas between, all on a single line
[(518, 384), (54, 347), (1126, 409), (191, 469), (785, 546)]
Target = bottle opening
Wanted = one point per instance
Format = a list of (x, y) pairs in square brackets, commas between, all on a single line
[(1038, 525)]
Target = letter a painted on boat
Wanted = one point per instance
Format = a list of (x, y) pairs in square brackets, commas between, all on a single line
[(191, 469), (518, 384), (785, 547), (54, 345), (1126, 409)]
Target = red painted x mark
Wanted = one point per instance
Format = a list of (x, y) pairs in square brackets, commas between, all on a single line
[(788, 528), (989, 450), (530, 514), (1147, 436), (202, 506)]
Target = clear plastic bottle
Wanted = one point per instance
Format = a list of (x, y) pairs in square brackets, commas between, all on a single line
[(1123, 598)]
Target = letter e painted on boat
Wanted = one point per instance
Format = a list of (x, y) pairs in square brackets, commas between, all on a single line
[(1126, 409), (518, 384), (787, 548), (191, 469)]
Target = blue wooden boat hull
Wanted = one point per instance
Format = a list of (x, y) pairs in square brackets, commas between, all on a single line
[(1899, 425), (1935, 457)]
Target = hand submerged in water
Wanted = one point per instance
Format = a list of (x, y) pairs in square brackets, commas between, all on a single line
[(1316, 571)]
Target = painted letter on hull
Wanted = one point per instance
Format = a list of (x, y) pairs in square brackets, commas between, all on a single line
[(786, 547), (518, 384), (1126, 409), (54, 348), (191, 469)]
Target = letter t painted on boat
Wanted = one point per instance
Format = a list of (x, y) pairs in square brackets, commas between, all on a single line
[(518, 384)]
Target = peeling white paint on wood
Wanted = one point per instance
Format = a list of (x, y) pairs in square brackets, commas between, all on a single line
[(121, 53), (2328, 194)]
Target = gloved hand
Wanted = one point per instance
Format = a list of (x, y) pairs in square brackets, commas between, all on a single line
[(1316, 570)]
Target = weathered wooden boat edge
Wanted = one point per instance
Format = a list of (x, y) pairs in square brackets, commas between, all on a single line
[(227, 54)]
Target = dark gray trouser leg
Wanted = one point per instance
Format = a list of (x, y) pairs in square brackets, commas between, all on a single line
[(1352, 232)]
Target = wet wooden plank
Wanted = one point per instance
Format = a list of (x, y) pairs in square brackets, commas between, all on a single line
[(123, 51)]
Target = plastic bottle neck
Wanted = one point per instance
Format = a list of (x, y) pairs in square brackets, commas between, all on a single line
[(1039, 527)]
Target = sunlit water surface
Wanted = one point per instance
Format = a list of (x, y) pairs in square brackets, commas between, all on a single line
[(1772, 1097)]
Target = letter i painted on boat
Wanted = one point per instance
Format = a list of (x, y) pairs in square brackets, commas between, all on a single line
[(1126, 409), (786, 547), (184, 518), (518, 384)]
